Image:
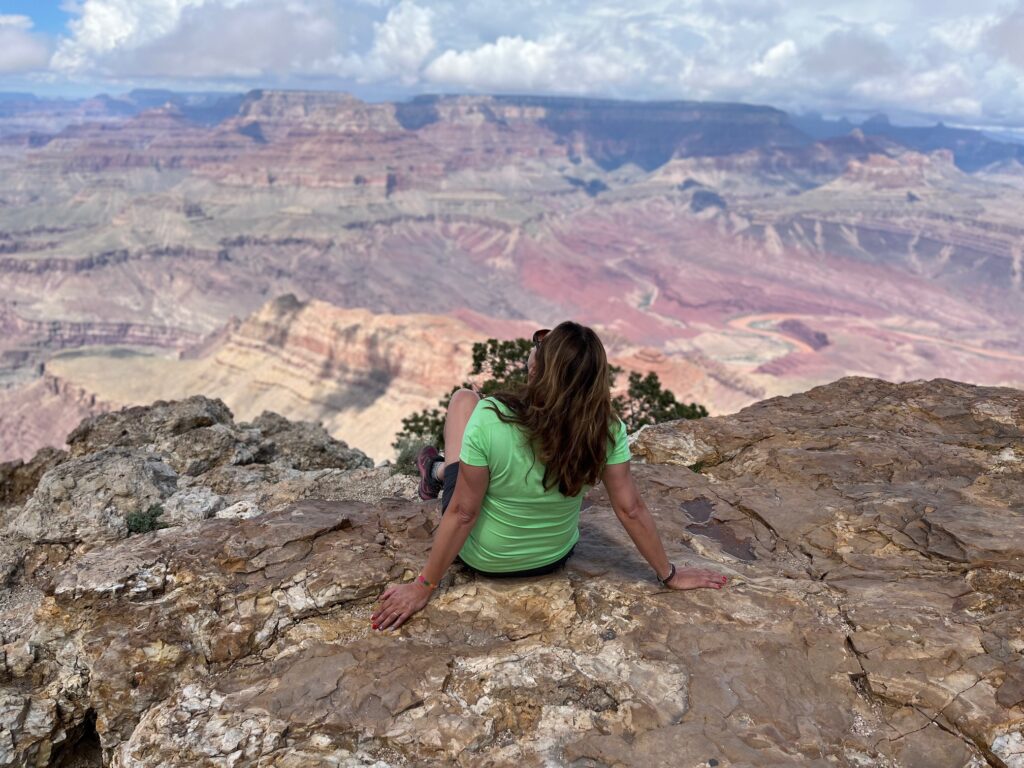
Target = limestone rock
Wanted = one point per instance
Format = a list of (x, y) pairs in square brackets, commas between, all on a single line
[(873, 533), (191, 505), (304, 445), (128, 462), (144, 425), (87, 499), (18, 480)]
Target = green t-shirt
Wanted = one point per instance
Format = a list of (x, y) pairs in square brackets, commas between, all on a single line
[(521, 525)]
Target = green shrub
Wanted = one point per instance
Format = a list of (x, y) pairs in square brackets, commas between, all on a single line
[(408, 449), (144, 522), (647, 403)]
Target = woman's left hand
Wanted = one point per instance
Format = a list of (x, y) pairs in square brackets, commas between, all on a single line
[(399, 603)]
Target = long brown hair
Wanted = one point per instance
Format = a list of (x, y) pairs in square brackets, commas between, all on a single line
[(566, 408)]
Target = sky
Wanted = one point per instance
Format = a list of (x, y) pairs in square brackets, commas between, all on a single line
[(952, 60)]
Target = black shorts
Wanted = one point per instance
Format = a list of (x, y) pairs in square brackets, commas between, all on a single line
[(451, 476)]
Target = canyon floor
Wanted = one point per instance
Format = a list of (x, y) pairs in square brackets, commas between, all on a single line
[(145, 254), (873, 534)]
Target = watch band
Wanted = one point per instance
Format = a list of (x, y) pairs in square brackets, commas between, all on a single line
[(667, 579)]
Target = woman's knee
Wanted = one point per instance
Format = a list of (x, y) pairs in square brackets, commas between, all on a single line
[(463, 400)]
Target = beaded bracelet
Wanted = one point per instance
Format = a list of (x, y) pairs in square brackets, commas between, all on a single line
[(421, 579)]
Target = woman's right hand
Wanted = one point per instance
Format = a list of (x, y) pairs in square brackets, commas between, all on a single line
[(696, 578)]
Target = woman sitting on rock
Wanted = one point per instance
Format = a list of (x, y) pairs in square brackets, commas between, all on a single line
[(511, 499)]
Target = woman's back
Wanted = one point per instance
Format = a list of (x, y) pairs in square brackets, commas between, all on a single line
[(521, 525), (504, 510)]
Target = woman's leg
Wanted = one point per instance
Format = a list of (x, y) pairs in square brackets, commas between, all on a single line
[(460, 408), (434, 479)]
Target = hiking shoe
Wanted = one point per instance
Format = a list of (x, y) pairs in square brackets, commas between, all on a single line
[(429, 487)]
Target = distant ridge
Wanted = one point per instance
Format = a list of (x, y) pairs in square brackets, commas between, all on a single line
[(615, 131)]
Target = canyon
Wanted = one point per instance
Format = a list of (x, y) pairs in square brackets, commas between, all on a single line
[(333, 259)]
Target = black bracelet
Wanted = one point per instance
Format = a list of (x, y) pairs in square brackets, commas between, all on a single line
[(667, 579)]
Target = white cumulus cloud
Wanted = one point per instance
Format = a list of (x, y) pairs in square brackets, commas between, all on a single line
[(401, 43), (20, 49), (941, 58), (508, 63), (247, 39), (779, 60), (110, 25)]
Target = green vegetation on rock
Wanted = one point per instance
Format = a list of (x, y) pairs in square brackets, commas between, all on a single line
[(503, 363), (144, 522)]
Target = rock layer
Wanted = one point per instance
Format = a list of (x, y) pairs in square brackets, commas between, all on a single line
[(874, 535), (357, 372), (720, 236)]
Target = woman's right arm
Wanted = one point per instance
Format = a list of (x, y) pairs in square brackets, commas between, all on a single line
[(636, 519)]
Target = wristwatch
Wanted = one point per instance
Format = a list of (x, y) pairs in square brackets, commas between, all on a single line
[(667, 579)]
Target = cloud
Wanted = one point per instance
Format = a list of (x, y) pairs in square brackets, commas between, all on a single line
[(851, 55), (922, 57), (600, 49), (230, 39), (106, 26), (401, 43), (257, 39), (779, 60), (247, 39), (1007, 37), (963, 34), (20, 49), (947, 89), (510, 63)]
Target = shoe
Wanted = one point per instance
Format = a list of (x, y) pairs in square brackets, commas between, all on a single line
[(429, 487)]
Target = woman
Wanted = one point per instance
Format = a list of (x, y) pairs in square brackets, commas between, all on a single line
[(518, 467)]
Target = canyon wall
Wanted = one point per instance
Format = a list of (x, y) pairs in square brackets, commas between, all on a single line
[(739, 252)]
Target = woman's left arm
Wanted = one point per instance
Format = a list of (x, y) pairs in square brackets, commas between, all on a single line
[(400, 602)]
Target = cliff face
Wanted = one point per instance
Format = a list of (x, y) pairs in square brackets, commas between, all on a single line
[(42, 413), (356, 372), (873, 534)]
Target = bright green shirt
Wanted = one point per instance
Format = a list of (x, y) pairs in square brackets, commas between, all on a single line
[(521, 526)]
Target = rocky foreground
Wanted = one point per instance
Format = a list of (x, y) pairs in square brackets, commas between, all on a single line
[(874, 535)]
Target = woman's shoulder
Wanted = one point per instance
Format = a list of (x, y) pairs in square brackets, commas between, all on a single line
[(493, 404), (488, 409)]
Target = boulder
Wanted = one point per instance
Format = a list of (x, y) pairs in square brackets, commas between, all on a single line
[(88, 499), (303, 445), (145, 425)]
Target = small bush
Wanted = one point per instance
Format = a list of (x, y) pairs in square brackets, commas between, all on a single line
[(423, 428), (648, 403), (408, 450), (144, 522)]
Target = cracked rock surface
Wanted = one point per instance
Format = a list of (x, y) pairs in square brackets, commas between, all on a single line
[(873, 533)]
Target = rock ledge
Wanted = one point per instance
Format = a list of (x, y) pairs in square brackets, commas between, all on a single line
[(874, 534)]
